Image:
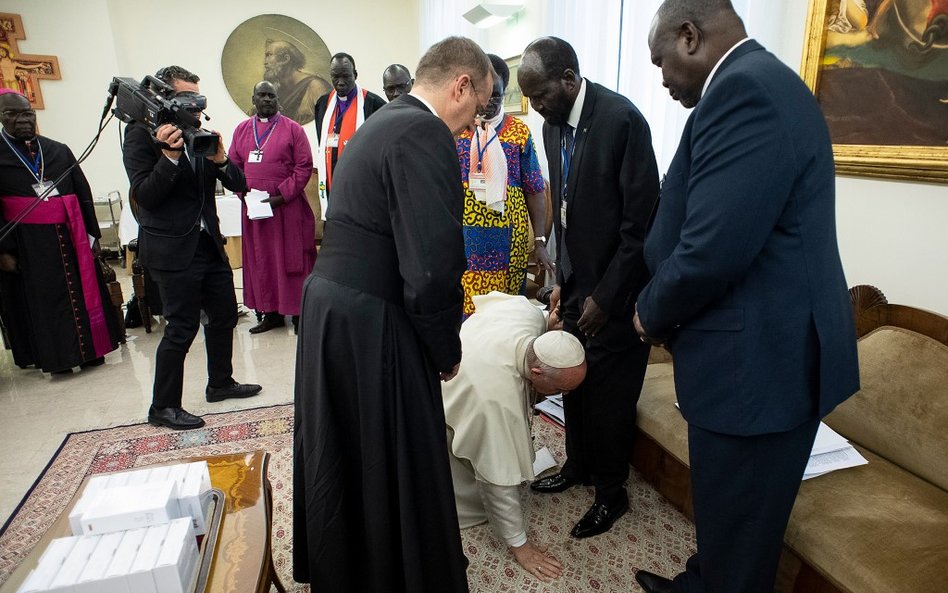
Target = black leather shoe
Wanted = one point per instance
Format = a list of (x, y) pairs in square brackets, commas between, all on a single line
[(233, 391), (598, 519), (269, 321), (553, 484), (176, 418), (652, 583)]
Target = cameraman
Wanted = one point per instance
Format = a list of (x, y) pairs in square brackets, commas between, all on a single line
[(181, 245)]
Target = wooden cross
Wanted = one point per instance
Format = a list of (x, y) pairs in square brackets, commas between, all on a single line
[(22, 72)]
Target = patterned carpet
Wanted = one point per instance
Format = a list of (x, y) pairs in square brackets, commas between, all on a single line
[(653, 535)]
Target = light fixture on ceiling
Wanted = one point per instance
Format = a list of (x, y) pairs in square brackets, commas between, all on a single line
[(488, 13)]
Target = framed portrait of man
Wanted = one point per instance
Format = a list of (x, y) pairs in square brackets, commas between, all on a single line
[(514, 101)]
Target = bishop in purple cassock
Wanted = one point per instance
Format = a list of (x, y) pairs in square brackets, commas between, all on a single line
[(278, 251)]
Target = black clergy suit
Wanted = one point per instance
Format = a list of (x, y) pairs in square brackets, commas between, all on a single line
[(187, 261), (612, 185), (370, 105), (748, 289), (373, 502)]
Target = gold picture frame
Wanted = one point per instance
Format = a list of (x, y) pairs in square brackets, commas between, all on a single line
[(831, 59), (514, 101)]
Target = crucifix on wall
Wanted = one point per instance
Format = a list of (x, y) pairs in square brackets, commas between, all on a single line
[(22, 72)]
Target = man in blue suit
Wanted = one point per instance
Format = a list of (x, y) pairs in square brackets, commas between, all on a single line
[(747, 292)]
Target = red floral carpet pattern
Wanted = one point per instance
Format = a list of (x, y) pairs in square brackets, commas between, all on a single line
[(653, 535)]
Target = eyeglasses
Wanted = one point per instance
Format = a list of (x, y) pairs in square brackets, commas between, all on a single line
[(11, 114), (398, 86), (481, 107)]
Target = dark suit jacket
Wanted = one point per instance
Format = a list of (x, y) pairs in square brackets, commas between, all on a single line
[(371, 104), (611, 189), (169, 204), (748, 283)]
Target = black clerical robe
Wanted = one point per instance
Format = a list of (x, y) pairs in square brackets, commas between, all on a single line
[(373, 502), (56, 308)]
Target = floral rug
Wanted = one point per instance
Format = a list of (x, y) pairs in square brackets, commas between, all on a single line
[(653, 535)]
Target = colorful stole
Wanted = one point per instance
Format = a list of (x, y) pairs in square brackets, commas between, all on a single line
[(353, 118)]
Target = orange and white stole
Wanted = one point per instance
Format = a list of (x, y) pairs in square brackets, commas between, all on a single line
[(352, 119)]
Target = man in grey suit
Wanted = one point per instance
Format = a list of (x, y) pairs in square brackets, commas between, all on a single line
[(747, 291), (604, 182)]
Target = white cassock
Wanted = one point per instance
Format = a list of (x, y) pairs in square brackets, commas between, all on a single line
[(486, 408)]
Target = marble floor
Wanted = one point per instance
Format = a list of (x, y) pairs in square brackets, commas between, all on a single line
[(37, 410)]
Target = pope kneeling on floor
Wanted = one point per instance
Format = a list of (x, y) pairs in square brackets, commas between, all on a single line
[(507, 354)]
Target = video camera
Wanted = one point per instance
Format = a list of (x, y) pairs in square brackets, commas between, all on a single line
[(154, 103)]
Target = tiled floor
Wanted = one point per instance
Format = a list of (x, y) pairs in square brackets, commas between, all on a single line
[(37, 410)]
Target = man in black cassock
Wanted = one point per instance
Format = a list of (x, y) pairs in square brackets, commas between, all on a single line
[(56, 308), (373, 505)]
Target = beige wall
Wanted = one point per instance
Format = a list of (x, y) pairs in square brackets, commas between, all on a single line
[(98, 39), (892, 234)]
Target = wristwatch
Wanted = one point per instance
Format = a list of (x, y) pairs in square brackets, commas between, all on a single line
[(540, 238)]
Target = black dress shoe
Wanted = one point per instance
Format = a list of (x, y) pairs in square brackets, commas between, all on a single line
[(176, 418), (652, 583), (233, 391), (269, 321), (598, 519), (553, 484)]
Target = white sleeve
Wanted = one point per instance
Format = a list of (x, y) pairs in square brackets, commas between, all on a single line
[(504, 513)]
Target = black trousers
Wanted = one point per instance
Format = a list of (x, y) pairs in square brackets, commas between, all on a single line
[(744, 488), (208, 285), (600, 413)]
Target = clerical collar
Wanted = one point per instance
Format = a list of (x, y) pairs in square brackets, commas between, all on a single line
[(350, 95)]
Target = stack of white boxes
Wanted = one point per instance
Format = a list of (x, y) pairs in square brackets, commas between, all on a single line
[(134, 532)]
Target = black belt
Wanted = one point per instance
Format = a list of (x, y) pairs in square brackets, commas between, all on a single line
[(360, 259)]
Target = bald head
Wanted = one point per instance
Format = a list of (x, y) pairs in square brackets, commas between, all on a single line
[(17, 116), (687, 39), (549, 77), (265, 99), (396, 81)]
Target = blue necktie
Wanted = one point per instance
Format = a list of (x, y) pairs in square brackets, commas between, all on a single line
[(566, 151)]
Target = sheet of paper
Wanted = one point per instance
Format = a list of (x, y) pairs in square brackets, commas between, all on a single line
[(828, 440), (552, 407), (544, 461), (832, 461), (256, 207)]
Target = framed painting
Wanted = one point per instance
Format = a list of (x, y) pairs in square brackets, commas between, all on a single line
[(514, 101), (22, 72), (879, 69)]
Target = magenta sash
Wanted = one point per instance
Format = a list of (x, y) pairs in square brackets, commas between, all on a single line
[(65, 210)]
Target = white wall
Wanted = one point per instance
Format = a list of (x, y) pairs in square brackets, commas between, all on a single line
[(98, 39)]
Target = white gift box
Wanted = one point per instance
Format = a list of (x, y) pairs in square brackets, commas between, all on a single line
[(73, 565), (175, 568), (139, 578), (89, 580), (131, 507), (48, 566), (115, 578), (197, 482)]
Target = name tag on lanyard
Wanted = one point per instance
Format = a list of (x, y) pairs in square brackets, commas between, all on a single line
[(477, 183), (332, 141), (256, 156), (41, 188)]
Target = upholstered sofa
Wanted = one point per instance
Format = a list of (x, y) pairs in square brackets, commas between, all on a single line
[(877, 528)]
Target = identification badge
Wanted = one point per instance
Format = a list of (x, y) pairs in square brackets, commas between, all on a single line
[(333, 141), (563, 214), (477, 183), (40, 188), (256, 156)]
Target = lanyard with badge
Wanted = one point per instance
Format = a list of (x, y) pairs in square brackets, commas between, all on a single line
[(342, 105), (566, 152), (256, 156), (37, 168), (477, 182)]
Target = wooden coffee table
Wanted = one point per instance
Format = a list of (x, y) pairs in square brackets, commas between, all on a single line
[(242, 561)]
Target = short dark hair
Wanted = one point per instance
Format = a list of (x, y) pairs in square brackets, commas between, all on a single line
[(673, 13), (343, 56), (452, 57), (556, 56), (500, 67), (169, 74), (396, 68)]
